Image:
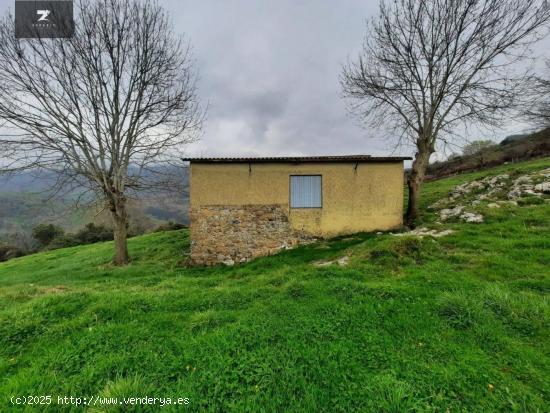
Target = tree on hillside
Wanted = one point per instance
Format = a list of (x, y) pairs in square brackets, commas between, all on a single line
[(46, 233), (428, 66), (477, 150), (539, 110), (104, 109), (476, 146)]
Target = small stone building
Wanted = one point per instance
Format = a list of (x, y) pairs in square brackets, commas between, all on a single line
[(241, 208)]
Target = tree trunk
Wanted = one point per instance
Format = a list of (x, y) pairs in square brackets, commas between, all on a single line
[(120, 231), (412, 207), (414, 182)]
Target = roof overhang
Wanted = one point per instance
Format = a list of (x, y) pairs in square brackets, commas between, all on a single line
[(302, 159)]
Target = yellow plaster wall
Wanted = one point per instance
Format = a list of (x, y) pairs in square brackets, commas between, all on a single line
[(364, 199)]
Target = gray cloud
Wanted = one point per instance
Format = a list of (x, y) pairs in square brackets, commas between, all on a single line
[(269, 73), (269, 70)]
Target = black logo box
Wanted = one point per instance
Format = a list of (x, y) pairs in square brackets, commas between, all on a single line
[(43, 19)]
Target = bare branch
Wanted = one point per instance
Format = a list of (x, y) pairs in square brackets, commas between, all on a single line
[(105, 108), (538, 111), (428, 66)]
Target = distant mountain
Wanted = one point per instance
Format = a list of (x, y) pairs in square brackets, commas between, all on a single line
[(40, 180), (25, 202), (27, 181), (513, 138)]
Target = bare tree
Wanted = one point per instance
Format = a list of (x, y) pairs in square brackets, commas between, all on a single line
[(480, 151), (538, 112), (475, 147), (105, 108), (429, 66)]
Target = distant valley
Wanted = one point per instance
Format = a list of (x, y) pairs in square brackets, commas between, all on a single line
[(25, 202)]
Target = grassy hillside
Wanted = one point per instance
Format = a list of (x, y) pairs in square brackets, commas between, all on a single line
[(457, 323), (534, 145)]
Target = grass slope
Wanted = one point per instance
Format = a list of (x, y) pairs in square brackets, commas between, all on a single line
[(534, 145), (459, 323)]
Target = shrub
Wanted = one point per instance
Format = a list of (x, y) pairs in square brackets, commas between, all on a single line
[(7, 252), (169, 226), (93, 233), (46, 233), (384, 257), (531, 200), (403, 251), (90, 234), (64, 241), (409, 248)]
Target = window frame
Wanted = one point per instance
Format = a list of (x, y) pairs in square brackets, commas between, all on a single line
[(290, 192)]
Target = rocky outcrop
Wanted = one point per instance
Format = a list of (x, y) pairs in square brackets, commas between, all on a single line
[(465, 200), (534, 185), (459, 212), (342, 262), (472, 217), (491, 192), (447, 213), (543, 187), (425, 232)]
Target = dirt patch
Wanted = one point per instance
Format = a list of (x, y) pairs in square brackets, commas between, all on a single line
[(56, 290)]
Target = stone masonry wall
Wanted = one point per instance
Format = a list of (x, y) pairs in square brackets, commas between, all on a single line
[(232, 234)]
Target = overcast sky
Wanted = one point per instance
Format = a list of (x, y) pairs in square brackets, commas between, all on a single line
[(269, 73)]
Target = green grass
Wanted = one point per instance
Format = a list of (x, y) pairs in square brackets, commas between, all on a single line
[(458, 324)]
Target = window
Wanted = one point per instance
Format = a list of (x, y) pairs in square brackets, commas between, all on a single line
[(305, 191)]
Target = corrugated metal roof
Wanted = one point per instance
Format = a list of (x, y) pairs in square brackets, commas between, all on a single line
[(298, 159)]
